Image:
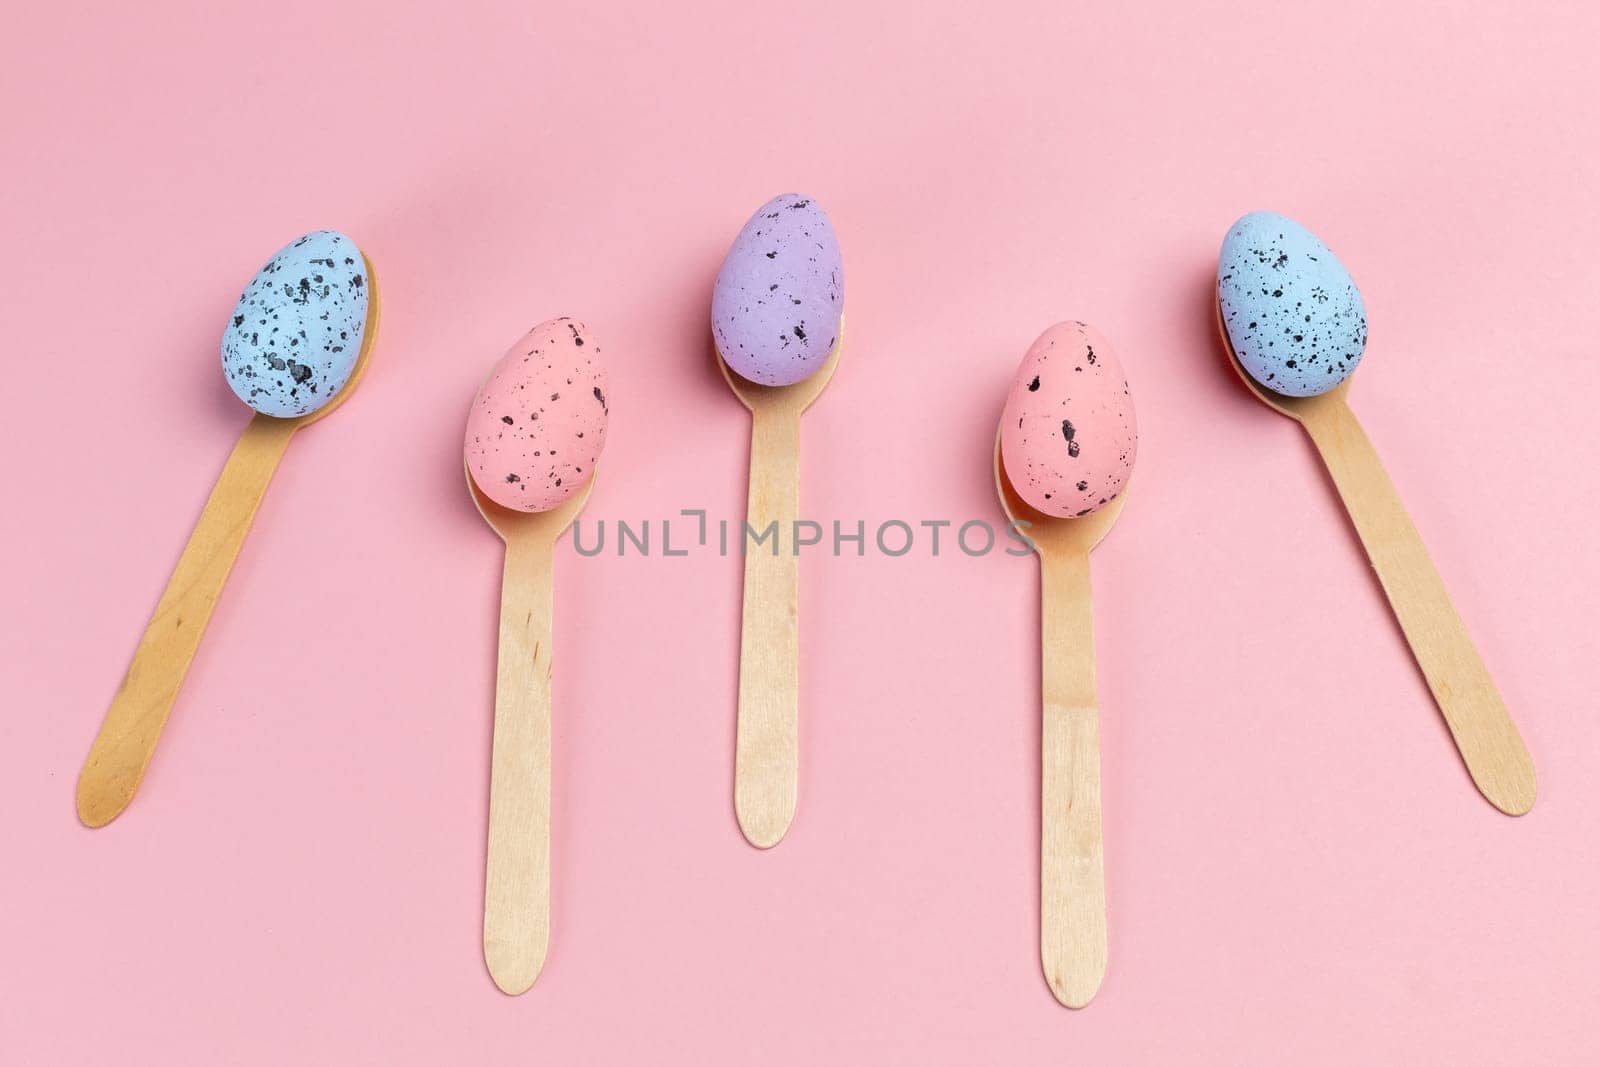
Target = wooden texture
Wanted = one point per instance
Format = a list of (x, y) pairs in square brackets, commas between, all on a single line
[(767, 757), (1072, 887), (767, 749), (1072, 883), (516, 909), (132, 726), (1484, 733), (516, 892)]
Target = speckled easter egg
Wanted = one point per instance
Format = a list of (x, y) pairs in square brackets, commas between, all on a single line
[(779, 296), (538, 424), (296, 332), (1068, 436), (1293, 315)]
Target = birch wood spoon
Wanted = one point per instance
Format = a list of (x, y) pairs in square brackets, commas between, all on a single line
[(533, 444), (766, 776), (516, 895), (777, 323), (1274, 272), (1069, 438), (1072, 884), (335, 318)]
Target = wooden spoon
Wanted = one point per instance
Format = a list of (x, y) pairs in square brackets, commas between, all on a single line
[(127, 739), (516, 895), (1072, 883), (1484, 734), (766, 762)]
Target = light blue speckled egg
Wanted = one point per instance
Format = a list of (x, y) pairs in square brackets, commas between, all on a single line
[(296, 332), (1293, 314)]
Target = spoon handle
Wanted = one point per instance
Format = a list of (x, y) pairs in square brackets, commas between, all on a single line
[(133, 724), (516, 899), (1072, 891), (1484, 733), (766, 762)]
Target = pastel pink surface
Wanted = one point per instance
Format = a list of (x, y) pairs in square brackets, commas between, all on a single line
[(1298, 868), (538, 425), (1068, 435)]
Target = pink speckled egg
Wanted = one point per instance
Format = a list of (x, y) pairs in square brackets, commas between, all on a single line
[(1068, 435), (538, 424)]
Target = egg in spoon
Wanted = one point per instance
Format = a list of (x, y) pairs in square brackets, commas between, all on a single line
[(1062, 459), (777, 322), (534, 437), (1295, 328), (294, 349)]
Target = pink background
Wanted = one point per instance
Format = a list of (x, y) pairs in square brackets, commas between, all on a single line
[(1298, 866)]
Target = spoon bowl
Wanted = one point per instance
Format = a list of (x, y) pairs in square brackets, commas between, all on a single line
[(512, 525), (1299, 408), (1048, 532), (796, 397), (369, 334)]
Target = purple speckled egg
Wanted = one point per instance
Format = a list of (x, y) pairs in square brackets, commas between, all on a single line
[(780, 294)]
